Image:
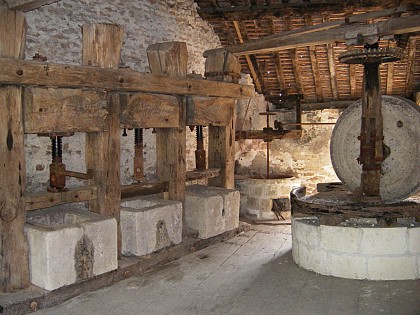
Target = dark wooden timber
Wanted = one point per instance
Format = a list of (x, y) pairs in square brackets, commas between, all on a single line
[(268, 135), (208, 173), (142, 189), (31, 73)]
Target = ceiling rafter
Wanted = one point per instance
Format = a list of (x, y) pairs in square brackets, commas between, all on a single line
[(314, 64), (295, 61), (249, 60), (277, 61)]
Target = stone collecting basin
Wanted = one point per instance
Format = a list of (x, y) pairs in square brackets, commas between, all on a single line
[(262, 198), (67, 245)]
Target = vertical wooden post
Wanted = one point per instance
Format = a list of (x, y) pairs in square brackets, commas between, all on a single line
[(223, 66), (102, 48), (171, 59), (14, 267)]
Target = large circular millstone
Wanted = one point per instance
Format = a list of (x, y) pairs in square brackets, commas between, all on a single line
[(401, 169)]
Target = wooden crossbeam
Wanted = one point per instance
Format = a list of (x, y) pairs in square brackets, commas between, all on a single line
[(303, 37), (20, 72)]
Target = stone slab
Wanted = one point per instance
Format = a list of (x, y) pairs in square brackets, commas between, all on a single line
[(149, 224)]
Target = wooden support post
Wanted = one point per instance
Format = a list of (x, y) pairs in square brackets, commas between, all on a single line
[(14, 267), (170, 59), (221, 145), (102, 48)]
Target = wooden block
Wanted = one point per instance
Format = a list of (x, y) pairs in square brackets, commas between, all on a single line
[(64, 110), (209, 111), (102, 48), (222, 65), (168, 59), (14, 267), (149, 111)]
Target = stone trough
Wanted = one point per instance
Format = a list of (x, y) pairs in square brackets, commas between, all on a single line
[(67, 245), (262, 197), (149, 224)]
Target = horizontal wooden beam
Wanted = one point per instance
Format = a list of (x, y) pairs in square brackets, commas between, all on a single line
[(142, 189), (19, 72), (279, 42), (64, 110), (274, 135), (27, 5), (315, 106), (209, 111), (208, 173), (47, 199), (259, 11), (145, 110)]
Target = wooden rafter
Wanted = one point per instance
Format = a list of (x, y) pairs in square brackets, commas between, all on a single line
[(230, 37), (389, 78), (295, 61), (277, 61), (315, 67), (331, 66), (248, 59), (303, 38), (352, 80), (27, 5)]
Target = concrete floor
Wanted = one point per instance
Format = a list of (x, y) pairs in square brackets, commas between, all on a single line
[(252, 273)]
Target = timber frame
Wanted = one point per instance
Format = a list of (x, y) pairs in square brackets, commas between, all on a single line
[(99, 99)]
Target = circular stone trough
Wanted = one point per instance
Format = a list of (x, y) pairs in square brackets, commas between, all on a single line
[(263, 195), (357, 249)]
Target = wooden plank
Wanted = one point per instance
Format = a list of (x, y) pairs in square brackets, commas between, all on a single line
[(14, 267), (314, 65), (282, 8), (295, 61), (27, 5), (171, 142), (208, 173), (33, 73), (320, 37), (209, 111), (102, 48), (143, 110), (277, 61), (64, 110), (260, 134), (45, 200), (142, 189), (248, 59), (331, 67), (352, 80)]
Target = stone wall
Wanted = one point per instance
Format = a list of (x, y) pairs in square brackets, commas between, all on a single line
[(54, 31), (307, 158)]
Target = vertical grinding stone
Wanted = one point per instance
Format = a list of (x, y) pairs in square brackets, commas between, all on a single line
[(401, 169)]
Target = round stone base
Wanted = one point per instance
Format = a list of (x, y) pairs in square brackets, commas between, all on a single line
[(357, 251)]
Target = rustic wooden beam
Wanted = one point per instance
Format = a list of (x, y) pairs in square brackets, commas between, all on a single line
[(143, 110), (277, 60), (221, 145), (295, 61), (278, 9), (171, 58), (102, 48), (410, 68), (331, 67), (14, 267), (314, 65), (209, 111), (389, 77), (64, 110), (143, 189), (27, 5), (264, 135), (20, 72), (47, 199), (248, 59), (279, 42), (208, 173)]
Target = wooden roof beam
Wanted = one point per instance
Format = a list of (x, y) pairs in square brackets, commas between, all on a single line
[(277, 61), (314, 65), (248, 58), (27, 5), (295, 61), (410, 68), (331, 66), (302, 38)]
